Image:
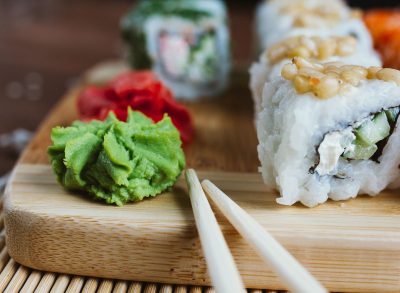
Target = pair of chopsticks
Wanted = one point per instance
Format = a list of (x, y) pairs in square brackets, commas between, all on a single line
[(221, 266)]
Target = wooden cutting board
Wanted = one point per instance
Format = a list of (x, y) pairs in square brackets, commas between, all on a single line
[(349, 246)]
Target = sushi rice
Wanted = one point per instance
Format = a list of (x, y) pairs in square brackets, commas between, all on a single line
[(293, 127)]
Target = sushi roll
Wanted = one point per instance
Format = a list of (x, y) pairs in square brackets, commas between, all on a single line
[(323, 49), (277, 20), (329, 131), (185, 42)]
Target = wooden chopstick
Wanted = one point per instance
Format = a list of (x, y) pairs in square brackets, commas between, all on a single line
[(291, 272), (221, 266)]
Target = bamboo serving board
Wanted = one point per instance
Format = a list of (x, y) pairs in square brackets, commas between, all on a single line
[(349, 246)]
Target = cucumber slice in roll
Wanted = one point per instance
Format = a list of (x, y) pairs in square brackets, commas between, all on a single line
[(392, 114), (372, 131), (361, 152)]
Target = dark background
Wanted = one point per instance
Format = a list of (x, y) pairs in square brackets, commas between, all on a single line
[(372, 3), (46, 44)]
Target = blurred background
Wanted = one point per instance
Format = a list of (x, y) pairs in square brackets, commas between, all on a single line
[(45, 45)]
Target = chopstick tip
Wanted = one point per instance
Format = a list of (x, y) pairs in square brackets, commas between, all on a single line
[(189, 172), (205, 182)]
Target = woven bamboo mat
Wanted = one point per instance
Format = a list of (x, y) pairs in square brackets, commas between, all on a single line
[(18, 278)]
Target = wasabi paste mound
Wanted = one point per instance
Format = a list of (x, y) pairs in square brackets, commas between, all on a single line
[(118, 161)]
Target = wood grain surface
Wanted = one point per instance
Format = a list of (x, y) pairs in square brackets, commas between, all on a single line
[(351, 246), (15, 277)]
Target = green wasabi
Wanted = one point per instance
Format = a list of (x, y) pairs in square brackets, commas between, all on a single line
[(118, 161)]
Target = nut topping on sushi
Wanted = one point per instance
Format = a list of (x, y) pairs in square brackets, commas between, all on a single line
[(309, 16), (329, 79), (356, 13), (389, 74), (312, 47)]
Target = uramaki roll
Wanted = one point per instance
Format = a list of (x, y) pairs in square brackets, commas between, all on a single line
[(186, 43), (277, 20), (329, 131)]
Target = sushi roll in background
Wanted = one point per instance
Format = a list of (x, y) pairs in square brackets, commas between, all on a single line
[(186, 42), (323, 49), (329, 131), (277, 20)]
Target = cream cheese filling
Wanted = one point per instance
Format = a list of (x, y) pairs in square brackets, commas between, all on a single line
[(332, 147)]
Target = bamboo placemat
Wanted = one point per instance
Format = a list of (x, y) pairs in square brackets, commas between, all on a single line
[(18, 278)]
